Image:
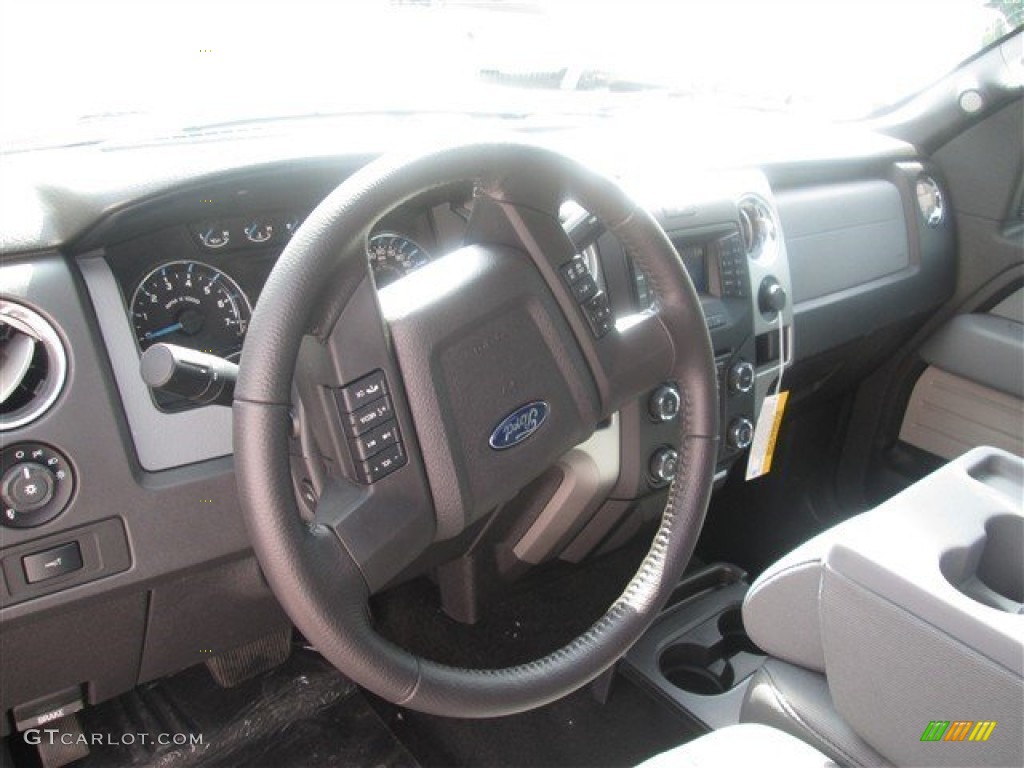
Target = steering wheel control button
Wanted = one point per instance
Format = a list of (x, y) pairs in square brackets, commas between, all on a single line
[(371, 415), (584, 288), (578, 277), (575, 270), (741, 377), (375, 441), (35, 484), (52, 563), (664, 403), (599, 314), (383, 464), (353, 396), (740, 433), (663, 465), (369, 419)]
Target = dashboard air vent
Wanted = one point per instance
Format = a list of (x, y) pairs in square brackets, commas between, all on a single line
[(759, 228), (930, 202), (33, 365)]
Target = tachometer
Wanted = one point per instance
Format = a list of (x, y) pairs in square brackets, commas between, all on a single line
[(191, 304), (393, 256)]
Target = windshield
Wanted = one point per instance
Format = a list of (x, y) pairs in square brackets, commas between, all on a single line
[(78, 72)]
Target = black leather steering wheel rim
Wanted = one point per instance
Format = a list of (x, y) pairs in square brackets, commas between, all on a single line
[(312, 573)]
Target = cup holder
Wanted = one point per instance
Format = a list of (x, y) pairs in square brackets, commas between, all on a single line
[(713, 657), (992, 571)]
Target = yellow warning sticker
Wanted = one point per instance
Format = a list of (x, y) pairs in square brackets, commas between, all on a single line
[(766, 433)]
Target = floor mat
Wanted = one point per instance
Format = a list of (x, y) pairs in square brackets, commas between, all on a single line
[(576, 731), (303, 713), (524, 625)]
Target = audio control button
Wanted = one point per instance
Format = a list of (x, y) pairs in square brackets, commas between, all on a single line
[(741, 377)]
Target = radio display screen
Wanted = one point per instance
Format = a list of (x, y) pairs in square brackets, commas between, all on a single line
[(694, 257)]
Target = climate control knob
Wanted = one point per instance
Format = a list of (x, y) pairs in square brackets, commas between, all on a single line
[(741, 377), (740, 433), (664, 403), (663, 465)]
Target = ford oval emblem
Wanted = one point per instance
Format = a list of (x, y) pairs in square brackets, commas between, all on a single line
[(519, 425)]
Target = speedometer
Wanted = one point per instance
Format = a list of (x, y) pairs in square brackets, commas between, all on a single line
[(191, 304), (393, 256)]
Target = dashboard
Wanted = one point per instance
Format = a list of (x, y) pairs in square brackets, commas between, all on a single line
[(797, 268)]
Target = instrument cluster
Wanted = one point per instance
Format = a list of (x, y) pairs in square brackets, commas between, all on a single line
[(203, 303)]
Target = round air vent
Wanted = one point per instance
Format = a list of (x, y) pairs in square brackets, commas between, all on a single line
[(33, 365), (759, 228), (929, 200)]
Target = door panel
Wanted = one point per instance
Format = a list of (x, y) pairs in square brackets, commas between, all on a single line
[(948, 415)]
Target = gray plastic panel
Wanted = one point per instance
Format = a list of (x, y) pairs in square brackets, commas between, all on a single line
[(862, 258), (841, 236), (162, 440), (986, 349)]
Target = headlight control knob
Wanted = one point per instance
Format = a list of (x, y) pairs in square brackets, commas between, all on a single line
[(741, 377), (663, 465), (35, 484), (28, 486), (664, 403), (740, 433)]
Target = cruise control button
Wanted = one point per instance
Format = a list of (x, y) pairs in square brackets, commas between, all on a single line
[(584, 288), (361, 421), (375, 441), (597, 308), (574, 270), (52, 562), (359, 393), (383, 464)]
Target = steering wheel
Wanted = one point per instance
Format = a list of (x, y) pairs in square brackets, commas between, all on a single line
[(490, 370)]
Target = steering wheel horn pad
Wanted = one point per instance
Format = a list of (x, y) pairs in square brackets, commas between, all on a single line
[(464, 342)]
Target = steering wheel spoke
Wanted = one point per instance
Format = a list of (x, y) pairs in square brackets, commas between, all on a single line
[(627, 350)]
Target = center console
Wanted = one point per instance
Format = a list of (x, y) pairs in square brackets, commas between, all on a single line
[(732, 247)]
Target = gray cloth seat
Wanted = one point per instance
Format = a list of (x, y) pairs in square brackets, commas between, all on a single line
[(742, 745)]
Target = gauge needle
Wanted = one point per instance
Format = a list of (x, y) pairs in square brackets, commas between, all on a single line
[(164, 331)]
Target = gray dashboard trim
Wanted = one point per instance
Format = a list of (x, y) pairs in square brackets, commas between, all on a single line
[(162, 440), (843, 235), (983, 348)]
